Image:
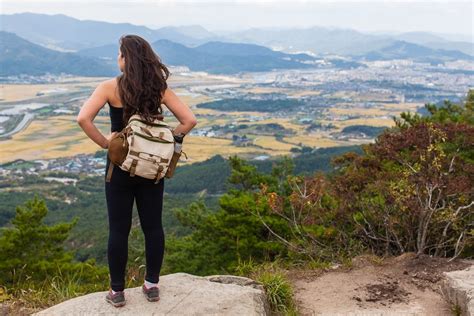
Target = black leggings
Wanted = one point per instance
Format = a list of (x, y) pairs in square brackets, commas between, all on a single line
[(120, 193)]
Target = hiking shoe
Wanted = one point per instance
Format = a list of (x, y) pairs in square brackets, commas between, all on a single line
[(152, 294), (117, 299)]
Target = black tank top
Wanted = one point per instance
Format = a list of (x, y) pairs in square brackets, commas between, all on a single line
[(116, 118)]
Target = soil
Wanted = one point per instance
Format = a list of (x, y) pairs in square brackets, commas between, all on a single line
[(404, 285)]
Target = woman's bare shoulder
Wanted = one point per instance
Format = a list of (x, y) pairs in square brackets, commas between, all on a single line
[(109, 87), (110, 83)]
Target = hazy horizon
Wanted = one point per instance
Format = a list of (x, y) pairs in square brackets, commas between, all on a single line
[(230, 16)]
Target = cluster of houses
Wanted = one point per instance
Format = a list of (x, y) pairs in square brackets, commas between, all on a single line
[(82, 163)]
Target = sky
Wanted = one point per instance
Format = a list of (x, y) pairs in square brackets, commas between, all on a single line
[(441, 16)]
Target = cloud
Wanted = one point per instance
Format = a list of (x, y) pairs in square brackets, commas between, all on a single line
[(233, 15)]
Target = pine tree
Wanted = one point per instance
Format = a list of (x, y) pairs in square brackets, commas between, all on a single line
[(31, 250)]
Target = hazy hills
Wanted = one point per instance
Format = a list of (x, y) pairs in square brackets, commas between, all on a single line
[(92, 47), (406, 50), (19, 56), (22, 57), (63, 32), (322, 40), (215, 57)]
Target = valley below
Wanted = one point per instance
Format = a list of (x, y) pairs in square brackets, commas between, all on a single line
[(253, 115)]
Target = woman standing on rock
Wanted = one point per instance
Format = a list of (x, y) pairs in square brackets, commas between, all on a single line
[(141, 88)]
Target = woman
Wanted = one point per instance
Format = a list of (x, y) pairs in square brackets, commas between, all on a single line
[(141, 88)]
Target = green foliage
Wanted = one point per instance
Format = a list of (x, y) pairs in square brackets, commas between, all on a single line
[(412, 189), (278, 290), (371, 131), (32, 244), (32, 256), (448, 113), (254, 105), (409, 191), (60, 174), (86, 201), (209, 175), (219, 240), (271, 275)]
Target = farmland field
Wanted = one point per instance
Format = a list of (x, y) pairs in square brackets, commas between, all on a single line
[(54, 133)]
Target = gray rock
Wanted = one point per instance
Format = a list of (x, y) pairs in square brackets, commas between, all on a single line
[(180, 294), (458, 289)]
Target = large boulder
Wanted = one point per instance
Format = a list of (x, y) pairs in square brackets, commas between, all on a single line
[(458, 289), (180, 294)]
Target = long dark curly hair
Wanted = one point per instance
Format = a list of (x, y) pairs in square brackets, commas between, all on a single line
[(143, 81)]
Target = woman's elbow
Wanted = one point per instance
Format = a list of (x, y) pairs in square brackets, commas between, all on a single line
[(190, 122), (81, 120)]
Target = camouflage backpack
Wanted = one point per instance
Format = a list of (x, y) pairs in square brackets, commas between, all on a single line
[(144, 149)]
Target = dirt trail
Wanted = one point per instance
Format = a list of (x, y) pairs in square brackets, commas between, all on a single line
[(404, 285)]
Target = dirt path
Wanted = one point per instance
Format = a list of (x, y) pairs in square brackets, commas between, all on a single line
[(405, 285)]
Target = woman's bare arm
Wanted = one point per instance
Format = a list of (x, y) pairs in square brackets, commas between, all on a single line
[(89, 111), (181, 111)]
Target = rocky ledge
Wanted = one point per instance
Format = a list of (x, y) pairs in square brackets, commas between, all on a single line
[(458, 289), (180, 294)]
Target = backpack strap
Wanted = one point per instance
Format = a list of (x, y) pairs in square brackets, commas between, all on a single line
[(109, 172), (158, 172), (133, 167)]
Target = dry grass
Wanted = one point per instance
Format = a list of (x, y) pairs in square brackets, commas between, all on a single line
[(369, 96), (358, 111), (389, 109), (286, 123), (18, 92), (204, 111), (191, 100), (362, 121), (316, 140), (200, 148), (272, 144), (303, 93), (401, 107), (344, 94), (60, 136), (55, 137), (265, 90)]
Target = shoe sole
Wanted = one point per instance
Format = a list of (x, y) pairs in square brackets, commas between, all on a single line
[(150, 299), (120, 304)]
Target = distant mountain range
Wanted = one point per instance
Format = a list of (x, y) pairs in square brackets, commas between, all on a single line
[(18, 56), (56, 43), (62, 32), (406, 50), (215, 57), (322, 40)]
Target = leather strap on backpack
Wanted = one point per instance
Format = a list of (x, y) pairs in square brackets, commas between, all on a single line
[(109, 172), (158, 172), (133, 167)]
